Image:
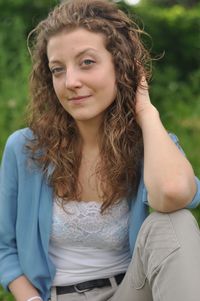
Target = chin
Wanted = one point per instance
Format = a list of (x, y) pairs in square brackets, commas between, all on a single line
[(83, 118), (88, 118)]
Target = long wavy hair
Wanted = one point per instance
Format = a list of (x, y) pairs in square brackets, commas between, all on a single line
[(57, 142)]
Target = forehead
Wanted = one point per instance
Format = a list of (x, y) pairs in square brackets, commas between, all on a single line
[(73, 42)]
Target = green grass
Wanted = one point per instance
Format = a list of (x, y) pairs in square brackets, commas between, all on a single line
[(4, 296)]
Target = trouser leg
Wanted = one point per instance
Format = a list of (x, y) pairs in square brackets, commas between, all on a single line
[(166, 260)]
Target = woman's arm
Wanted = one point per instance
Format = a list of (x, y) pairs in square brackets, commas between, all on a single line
[(23, 290), (11, 274), (168, 176)]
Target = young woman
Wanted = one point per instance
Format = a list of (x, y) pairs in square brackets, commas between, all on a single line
[(76, 184)]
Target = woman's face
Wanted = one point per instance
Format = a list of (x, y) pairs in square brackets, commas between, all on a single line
[(83, 73)]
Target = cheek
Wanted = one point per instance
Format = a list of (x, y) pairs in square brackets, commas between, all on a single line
[(57, 88), (106, 81), (54, 85), (111, 85), (111, 81)]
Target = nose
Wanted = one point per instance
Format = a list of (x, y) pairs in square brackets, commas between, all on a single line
[(72, 80)]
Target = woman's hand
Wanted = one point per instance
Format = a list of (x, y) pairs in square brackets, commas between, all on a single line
[(23, 290), (143, 106)]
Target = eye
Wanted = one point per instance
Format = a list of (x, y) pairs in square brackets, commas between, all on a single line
[(57, 70), (87, 62)]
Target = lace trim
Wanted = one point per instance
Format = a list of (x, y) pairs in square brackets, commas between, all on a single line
[(82, 224)]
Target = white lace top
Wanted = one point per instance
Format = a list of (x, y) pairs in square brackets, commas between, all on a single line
[(87, 245)]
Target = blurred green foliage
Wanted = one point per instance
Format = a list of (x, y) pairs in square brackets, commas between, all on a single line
[(168, 3), (17, 19), (174, 89)]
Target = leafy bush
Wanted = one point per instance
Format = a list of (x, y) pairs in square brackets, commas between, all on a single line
[(175, 84), (176, 33), (17, 19)]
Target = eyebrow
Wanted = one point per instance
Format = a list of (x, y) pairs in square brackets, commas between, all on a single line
[(77, 55), (84, 51)]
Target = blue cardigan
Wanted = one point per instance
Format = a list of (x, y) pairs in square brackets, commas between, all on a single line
[(26, 217)]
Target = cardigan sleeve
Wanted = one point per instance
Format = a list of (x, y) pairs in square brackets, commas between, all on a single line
[(9, 263)]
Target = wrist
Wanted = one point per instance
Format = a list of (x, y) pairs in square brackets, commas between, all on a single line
[(34, 298)]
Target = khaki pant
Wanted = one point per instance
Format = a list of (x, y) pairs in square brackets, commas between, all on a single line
[(165, 264)]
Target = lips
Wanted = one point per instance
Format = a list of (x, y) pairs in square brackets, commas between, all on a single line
[(78, 97)]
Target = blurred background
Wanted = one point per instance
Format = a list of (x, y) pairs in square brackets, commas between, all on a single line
[(174, 27)]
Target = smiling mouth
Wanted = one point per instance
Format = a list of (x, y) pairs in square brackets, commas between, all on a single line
[(79, 98)]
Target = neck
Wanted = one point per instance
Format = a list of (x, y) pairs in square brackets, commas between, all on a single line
[(89, 131)]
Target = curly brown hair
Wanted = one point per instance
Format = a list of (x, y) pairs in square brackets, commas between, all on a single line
[(55, 132)]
